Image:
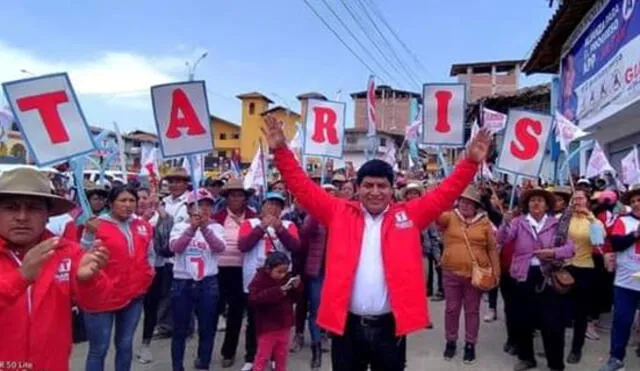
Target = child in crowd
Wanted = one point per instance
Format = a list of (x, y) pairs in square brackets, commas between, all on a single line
[(272, 294)]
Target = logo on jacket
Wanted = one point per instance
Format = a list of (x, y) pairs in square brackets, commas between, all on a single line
[(402, 220), (142, 230), (62, 274)]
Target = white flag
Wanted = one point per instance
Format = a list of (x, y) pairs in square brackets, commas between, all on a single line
[(256, 176), (630, 168), (149, 160), (198, 168), (475, 128), (566, 132), (494, 121), (389, 155), (598, 163), (6, 119)]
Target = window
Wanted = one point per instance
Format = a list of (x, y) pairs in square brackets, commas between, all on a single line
[(222, 154), (223, 136), (352, 139), (252, 108), (235, 136), (383, 142)]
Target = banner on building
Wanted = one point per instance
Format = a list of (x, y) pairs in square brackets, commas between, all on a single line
[(49, 116), (599, 70), (324, 128), (524, 144), (443, 109), (182, 116)]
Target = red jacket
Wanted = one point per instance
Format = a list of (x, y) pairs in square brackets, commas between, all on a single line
[(36, 319), (72, 231), (131, 269), (401, 248), (272, 307)]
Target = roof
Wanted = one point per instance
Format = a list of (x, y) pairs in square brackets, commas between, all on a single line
[(218, 118), (503, 101), (142, 136), (311, 95), (254, 95), (280, 108), (387, 90), (545, 57), (364, 131), (485, 67)]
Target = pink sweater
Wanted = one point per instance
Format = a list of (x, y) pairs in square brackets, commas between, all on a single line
[(231, 256)]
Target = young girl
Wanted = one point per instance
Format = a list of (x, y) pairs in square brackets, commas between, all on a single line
[(272, 294)]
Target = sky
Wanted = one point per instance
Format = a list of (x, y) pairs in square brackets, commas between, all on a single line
[(114, 51)]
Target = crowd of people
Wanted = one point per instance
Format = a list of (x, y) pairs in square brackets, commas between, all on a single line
[(355, 260)]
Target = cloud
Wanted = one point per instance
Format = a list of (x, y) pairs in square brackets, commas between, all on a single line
[(115, 74)]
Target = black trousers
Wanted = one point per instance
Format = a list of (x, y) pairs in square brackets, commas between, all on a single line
[(368, 342), (165, 318), (602, 288), (581, 303), (433, 264), (151, 302), (545, 310), (507, 289), (233, 302), (250, 337)]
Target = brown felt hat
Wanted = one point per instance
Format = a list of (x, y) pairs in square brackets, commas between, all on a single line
[(30, 182), (236, 184)]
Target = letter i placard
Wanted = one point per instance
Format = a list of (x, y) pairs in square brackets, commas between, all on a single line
[(49, 116), (443, 109), (324, 128), (525, 141), (182, 116)]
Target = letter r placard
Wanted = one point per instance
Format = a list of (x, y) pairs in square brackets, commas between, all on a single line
[(324, 128), (182, 118), (50, 119), (443, 109), (524, 144)]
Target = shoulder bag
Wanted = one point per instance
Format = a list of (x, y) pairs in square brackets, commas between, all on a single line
[(481, 278)]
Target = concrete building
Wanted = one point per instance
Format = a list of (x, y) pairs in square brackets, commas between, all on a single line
[(488, 78), (356, 140), (392, 109)]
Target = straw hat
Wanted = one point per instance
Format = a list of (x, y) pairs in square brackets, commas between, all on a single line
[(30, 182), (412, 186), (235, 184), (178, 173), (93, 188), (471, 193), (634, 190), (536, 191), (563, 191), (338, 177)]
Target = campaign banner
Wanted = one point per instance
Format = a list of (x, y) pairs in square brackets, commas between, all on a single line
[(494, 121), (525, 141), (600, 71), (443, 109)]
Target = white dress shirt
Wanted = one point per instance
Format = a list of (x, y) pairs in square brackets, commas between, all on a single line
[(537, 227), (370, 296)]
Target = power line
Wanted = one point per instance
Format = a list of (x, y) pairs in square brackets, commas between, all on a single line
[(357, 40), (375, 44), (386, 41), (338, 37), (379, 15)]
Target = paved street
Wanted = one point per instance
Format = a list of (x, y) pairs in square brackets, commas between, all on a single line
[(424, 352)]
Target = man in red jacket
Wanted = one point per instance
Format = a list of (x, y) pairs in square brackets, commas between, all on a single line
[(374, 290), (40, 275)]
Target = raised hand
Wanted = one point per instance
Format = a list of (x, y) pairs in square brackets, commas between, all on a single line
[(272, 130), (92, 261), (478, 148), (36, 256)]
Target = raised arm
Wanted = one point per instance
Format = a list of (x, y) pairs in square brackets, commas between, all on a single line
[(312, 197), (214, 236), (181, 235)]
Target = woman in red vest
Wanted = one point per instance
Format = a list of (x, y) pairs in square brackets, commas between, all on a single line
[(129, 241)]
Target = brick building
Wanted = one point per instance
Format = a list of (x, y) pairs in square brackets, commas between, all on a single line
[(392, 109), (488, 78)]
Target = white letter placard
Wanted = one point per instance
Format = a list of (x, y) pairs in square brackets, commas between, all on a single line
[(50, 118), (182, 116), (443, 110), (324, 128)]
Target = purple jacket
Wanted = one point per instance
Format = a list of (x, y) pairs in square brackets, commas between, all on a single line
[(525, 243), (314, 238)]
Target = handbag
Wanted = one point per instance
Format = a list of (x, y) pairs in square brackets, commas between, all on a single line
[(561, 280), (481, 278), (79, 334)]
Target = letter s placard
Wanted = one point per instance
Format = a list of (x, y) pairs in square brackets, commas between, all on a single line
[(182, 118), (50, 118), (443, 109), (525, 141), (324, 128)]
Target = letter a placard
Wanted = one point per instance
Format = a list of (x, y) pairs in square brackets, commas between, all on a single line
[(443, 108), (525, 141), (50, 119), (181, 111), (324, 128)]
